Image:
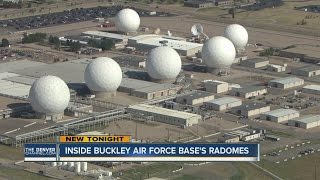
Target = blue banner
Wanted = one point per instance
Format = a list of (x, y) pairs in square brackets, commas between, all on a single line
[(145, 152)]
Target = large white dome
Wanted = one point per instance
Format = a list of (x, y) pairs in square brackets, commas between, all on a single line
[(163, 63), (237, 34), (103, 75), (218, 52), (127, 20), (50, 95)]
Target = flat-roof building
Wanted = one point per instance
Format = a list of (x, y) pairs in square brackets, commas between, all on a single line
[(287, 82), (228, 139), (147, 90), (250, 109), (249, 91), (167, 116), (112, 36), (223, 103), (306, 122), (307, 71), (311, 89), (216, 86), (306, 53), (198, 3), (255, 63), (276, 68), (280, 115), (195, 97), (150, 41)]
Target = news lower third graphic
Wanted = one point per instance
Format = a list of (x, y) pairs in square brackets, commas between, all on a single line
[(117, 148)]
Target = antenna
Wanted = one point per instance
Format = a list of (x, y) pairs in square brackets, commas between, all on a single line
[(197, 29)]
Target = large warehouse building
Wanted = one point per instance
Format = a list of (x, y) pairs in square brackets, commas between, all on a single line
[(305, 122), (150, 41), (249, 91), (280, 115), (223, 103), (250, 109), (303, 53), (286, 83), (311, 89), (112, 36), (216, 86), (147, 90), (307, 71), (167, 116), (195, 97)]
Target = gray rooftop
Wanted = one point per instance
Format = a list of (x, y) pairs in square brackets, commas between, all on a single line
[(247, 89), (196, 94), (256, 60), (281, 112), (19, 64), (224, 100), (144, 86), (163, 111), (307, 119), (312, 87), (287, 80), (308, 68), (250, 106)]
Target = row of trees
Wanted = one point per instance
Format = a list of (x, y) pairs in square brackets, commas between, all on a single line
[(104, 44), (32, 38)]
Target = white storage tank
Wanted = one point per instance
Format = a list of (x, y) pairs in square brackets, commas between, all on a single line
[(84, 166), (53, 164), (70, 164), (64, 163), (77, 167)]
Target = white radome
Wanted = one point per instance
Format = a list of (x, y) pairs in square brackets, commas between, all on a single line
[(49, 95), (103, 75), (127, 20), (218, 52), (237, 34), (163, 63)]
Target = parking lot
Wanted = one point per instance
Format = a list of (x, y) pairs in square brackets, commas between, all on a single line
[(69, 16), (291, 152)]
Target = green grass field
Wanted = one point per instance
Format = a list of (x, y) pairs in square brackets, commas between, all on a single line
[(298, 169), (283, 15), (149, 170), (18, 174), (247, 171)]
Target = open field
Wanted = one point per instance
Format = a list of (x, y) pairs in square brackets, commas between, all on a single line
[(19, 174), (298, 169), (148, 170), (283, 15)]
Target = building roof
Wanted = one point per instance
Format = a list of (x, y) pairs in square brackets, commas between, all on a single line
[(247, 89), (308, 68), (306, 50), (14, 89), (250, 106), (307, 119), (145, 86), (224, 100), (216, 82), (286, 80), (196, 94), (312, 87), (280, 112), (106, 35), (163, 111), (255, 60), (154, 40)]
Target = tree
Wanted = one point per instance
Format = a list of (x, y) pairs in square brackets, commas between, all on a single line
[(5, 42), (106, 44), (232, 11)]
